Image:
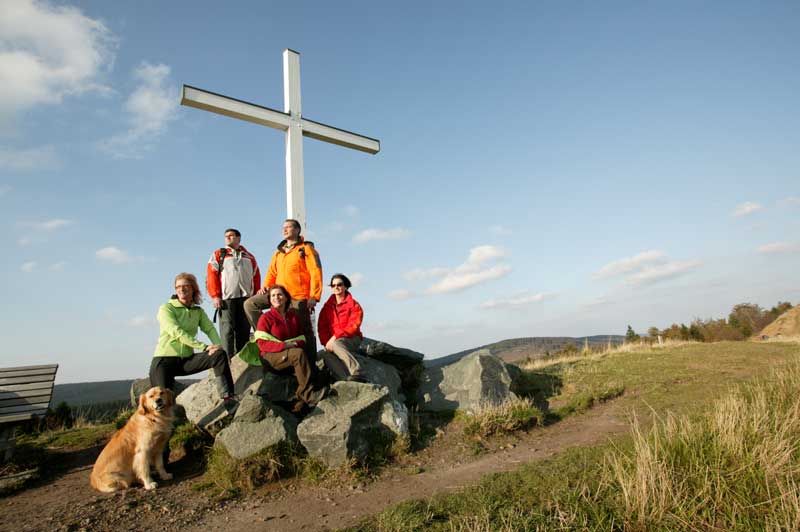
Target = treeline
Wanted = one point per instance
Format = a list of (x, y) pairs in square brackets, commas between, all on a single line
[(744, 320)]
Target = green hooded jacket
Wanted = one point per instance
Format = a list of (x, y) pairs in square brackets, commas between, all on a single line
[(179, 325)]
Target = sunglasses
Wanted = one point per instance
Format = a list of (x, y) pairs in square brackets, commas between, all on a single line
[(334, 285)]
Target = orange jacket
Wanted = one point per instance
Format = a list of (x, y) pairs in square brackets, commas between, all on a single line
[(299, 270)]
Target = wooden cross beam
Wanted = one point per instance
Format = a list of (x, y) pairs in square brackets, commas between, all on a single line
[(290, 120)]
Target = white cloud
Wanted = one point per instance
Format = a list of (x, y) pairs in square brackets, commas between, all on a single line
[(747, 208), (24, 241), (57, 266), (471, 272), (630, 264), (791, 201), (28, 267), (500, 230), (661, 272), (400, 294), (519, 300), (48, 52), (141, 321), (351, 211), (646, 268), (419, 274), (356, 278), (48, 225), (775, 248), (460, 280), (29, 160), (149, 109), (368, 235), (4, 189), (112, 254)]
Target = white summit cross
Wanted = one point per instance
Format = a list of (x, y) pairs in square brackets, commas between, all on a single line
[(291, 121)]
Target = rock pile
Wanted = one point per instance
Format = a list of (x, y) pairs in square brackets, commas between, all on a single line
[(356, 417)]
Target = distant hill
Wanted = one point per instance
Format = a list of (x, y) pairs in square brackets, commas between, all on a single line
[(89, 393), (787, 324), (517, 349)]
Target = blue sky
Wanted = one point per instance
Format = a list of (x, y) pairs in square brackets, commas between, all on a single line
[(547, 168)]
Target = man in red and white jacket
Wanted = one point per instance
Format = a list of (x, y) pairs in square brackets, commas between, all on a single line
[(232, 276)]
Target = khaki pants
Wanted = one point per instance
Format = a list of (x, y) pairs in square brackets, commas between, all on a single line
[(341, 361), (257, 304), (296, 358)]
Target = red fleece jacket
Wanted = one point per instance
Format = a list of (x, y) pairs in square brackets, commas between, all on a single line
[(342, 320)]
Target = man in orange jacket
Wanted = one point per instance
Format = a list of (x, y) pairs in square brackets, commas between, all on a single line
[(295, 265)]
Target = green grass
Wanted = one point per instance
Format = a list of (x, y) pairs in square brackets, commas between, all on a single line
[(693, 461), (510, 416)]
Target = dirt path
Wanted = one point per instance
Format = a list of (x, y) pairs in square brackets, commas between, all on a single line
[(68, 503)]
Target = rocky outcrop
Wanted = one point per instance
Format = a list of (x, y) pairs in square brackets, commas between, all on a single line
[(256, 426), (355, 419), (477, 379), (408, 363)]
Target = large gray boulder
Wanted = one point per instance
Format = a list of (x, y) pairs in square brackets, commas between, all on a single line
[(474, 380), (203, 404), (352, 421), (381, 374), (408, 363), (256, 426)]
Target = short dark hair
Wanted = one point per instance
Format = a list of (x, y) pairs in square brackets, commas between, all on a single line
[(234, 231), (285, 293), (295, 222), (343, 277)]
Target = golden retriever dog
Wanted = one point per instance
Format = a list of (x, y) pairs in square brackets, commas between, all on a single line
[(138, 445)]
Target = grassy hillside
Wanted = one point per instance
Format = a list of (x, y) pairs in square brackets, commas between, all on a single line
[(704, 452), (517, 349), (92, 393)]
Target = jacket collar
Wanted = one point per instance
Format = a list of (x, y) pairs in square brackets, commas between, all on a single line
[(300, 240), (175, 302)]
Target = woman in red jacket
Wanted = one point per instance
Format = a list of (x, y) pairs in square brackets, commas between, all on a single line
[(280, 339), (340, 331)]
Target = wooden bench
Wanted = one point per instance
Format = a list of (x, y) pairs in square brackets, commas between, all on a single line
[(25, 392)]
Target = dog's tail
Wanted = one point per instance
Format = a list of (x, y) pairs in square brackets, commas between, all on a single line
[(109, 482)]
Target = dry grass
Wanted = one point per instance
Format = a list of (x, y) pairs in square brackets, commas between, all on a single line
[(736, 467), (585, 355), (509, 416)]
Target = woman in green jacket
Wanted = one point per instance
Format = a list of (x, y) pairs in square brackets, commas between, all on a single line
[(179, 352)]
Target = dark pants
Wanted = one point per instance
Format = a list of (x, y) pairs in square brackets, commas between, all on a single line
[(257, 304), (234, 329), (163, 370), (296, 358)]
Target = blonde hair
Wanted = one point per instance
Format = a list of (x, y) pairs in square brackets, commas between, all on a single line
[(197, 297)]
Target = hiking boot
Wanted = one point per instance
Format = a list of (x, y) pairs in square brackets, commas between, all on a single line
[(318, 395)]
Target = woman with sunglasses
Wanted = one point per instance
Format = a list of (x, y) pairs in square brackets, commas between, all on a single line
[(280, 338), (340, 331)]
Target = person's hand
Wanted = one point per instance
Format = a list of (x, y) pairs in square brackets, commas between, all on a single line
[(216, 302), (329, 345), (212, 349), (263, 290), (311, 302)]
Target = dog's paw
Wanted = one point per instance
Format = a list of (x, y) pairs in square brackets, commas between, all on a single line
[(151, 486), (165, 476)]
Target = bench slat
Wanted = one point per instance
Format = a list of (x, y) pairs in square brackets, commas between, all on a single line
[(23, 408), (23, 387), (28, 372), (27, 379), (29, 400), (11, 396), (30, 368), (10, 418)]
